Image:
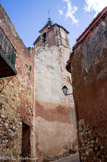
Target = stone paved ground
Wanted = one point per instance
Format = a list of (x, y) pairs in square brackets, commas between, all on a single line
[(71, 158)]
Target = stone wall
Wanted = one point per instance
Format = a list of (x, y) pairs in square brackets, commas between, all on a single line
[(89, 74), (16, 99)]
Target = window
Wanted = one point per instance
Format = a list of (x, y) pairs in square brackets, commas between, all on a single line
[(44, 37)]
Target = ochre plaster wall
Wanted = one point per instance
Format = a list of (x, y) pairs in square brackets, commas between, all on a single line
[(55, 114), (89, 74)]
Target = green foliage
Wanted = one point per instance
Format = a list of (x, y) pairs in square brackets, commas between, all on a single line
[(30, 68)]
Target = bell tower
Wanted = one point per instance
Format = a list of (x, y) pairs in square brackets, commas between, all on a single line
[(52, 35), (55, 124)]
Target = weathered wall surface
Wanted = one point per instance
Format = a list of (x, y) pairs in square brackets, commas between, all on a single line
[(89, 74), (55, 116), (16, 99)]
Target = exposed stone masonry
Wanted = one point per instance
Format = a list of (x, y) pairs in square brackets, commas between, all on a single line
[(10, 133), (90, 143), (17, 98)]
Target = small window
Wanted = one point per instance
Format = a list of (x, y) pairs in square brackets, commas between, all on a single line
[(44, 37)]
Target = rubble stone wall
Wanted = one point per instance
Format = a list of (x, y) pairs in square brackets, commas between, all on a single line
[(16, 99)]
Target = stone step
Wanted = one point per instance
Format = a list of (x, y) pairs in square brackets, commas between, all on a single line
[(71, 158)]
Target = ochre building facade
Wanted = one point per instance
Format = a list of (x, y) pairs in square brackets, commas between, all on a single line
[(88, 66)]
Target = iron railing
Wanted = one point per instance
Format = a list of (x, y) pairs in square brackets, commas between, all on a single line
[(7, 48)]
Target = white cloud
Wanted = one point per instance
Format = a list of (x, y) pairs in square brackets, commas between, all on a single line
[(95, 5), (60, 12), (70, 11)]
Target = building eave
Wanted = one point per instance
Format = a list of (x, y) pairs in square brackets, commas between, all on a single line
[(53, 26), (38, 38), (60, 27), (43, 28), (90, 27)]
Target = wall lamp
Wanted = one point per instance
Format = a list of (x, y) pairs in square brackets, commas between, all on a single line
[(65, 91)]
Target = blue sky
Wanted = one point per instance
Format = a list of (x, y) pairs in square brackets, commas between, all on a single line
[(29, 16)]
